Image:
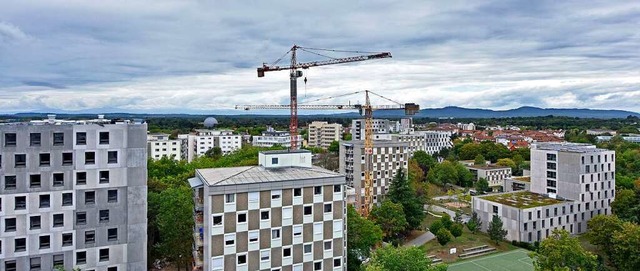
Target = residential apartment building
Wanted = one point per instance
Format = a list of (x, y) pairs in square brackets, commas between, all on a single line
[(435, 141), (570, 183), (322, 133), (272, 138), (388, 158), (160, 145), (379, 126), (73, 194), (201, 141), (494, 174), (284, 214)]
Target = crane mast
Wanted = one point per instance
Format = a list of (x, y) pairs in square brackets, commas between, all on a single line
[(368, 159)]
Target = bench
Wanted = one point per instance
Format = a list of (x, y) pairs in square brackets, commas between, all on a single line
[(434, 259), (477, 252), (474, 248)]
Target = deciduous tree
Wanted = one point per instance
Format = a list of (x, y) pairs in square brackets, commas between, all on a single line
[(390, 217), (411, 258), (479, 160), (560, 251), (362, 235), (456, 229), (444, 236)]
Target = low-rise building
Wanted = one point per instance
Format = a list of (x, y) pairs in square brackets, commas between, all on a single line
[(160, 145), (283, 214), (198, 143), (322, 134), (271, 137), (517, 183), (495, 175)]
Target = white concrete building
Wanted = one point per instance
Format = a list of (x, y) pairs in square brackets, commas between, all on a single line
[(271, 137), (379, 126), (435, 141), (495, 175), (159, 145), (322, 133), (203, 140), (466, 126)]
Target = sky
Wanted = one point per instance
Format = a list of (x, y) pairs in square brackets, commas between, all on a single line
[(156, 56)]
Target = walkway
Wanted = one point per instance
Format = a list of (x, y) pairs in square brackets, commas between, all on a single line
[(421, 240)]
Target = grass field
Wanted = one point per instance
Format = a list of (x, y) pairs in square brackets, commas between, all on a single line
[(515, 260)]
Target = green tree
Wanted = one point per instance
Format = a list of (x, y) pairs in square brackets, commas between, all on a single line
[(482, 185), (334, 147), (465, 177), (362, 236), (601, 230), (400, 191), (479, 160), (443, 173), (446, 221), (390, 217), (495, 231), (560, 251), (175, 224), (444, 236), (215, 153), (468, 151), (389, 258), (426, 161), (458, 217), (435, 226), (456, 229), (625, 205), (417, 179), (626, 248), (507, 162), (474, 223)]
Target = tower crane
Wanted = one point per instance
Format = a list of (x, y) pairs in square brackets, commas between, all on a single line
[(367, 111), (295, 72)]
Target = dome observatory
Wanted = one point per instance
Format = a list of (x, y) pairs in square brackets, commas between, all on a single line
[(210, 122)]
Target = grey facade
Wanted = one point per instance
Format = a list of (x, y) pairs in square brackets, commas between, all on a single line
[(281, 215), (73, 194), (495, 175), (388, 158)]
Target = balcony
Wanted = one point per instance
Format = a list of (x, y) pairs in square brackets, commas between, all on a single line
[(197, 259), (198, 217)]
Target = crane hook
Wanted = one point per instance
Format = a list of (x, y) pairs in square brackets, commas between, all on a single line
[(305, 87)]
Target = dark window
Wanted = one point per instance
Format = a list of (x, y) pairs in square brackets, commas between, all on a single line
[(327, 208), (317, 190), (45, 241), (104, 137), (81, 218), (20, 244), (21, 203), (89, 158), (242, 259), (317, 266), (495, 209), (58, 179), (45, 159), (551, 174), (104, 254), (551, 165), (58, 139), (90, 237), (35, 139), (337, 188), (34, 263), (112, 234), (337, 262), (297, 192), (81, 257), (112, 196), (242, 218), (308, 210), (10, 266), (34, 222), (551, 183), (104, 215), (286, 252), (89, 197), (21, 160), (274, 160), (45, 201), (112, 157), (113, 268), (67, 199), (67, 158), (264, 215), (551, 157), (9, 224), (9, 182), (9, 140), (67, 239), (81, 178), (34, 180), (217, 220), (58, 260), (58, 220), (104, 176), (81, 138)]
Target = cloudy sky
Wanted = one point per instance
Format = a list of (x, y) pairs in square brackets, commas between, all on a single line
[(200, 56)]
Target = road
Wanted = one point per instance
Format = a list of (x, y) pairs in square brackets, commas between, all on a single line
[(438, 209), (421, 240)]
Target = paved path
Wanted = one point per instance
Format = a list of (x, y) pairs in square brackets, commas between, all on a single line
[(421, 239), (438, 209)]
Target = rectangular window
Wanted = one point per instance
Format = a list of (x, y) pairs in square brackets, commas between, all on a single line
[(104, 216), (81, 178), (217, 220), (551, 157), (35, 139), (34, 222), (297, 230), (20, 244), (337, 188), (34, 180), (81, 138), (81, 257), (67, 158), (317, 266), (89, 237), (242, 259), (104, 254), (58, 220), (242, 217), (112, 196), (89, 158), (264, 215), (21, 203), (20, 160), (58, 179), (10, 140), (67, 239), (90, 197), (495, 209), (327, 208), (104, 137), (307, 248), (67, 199), (230, 239), (274, 160), (317, 190), (337, 262), (286, 252), (112, 234), (112, 157), (45, 159), (276, 194), (275, 234), (230, 198), (58, 260), (34, 263), (81, 218), (265, 255), (297, 192), (58, 139), (9, 224), (328, 245), (45, 201), (254, 236), (9, 182), (104, 176)]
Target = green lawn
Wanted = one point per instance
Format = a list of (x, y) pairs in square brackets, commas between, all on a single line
[(514, 260)]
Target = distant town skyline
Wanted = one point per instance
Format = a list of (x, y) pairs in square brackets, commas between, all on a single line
[(183, 56)]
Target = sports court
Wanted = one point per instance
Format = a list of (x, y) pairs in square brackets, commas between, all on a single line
[(515, 260)]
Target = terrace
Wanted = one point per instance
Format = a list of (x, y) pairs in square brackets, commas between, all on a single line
[(522, 178), (522, 200)]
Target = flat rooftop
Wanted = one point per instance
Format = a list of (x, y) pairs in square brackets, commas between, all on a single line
[(567, 147), (522, 199), (522, 178), (259, 174), (51, 120), (488, 167)]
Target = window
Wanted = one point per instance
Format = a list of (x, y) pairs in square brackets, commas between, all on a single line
[(274, 160), (58, 220), (297, 192), (112, 234), (67, 158), (81, 218), (337, 188), (242, 259), (104, 176), (286, 252), (317, 266), (328, 245), (317, 190), (21, 203), (81, 138), (45, 159), (254, 236), (495, 209), (67, 239), (58, 260), (317, 228), (276, 194), (337, 262), (81, 257), (90, 237), (34, 180), (264, 215), (308, 210), (9, 182), (34, 263), (104, 215), (34, 222), (10, 266), (89, 158), (307, 248), (217, 220), (45, 201), (89, 197), (230, 239), (104, 137), (81, 178), (230, 198), (112, 195), (104, 254), (112, 157), (20, 244), (327, 208), (275, 234), (242, 218), (20, 160), (551, 157), (297, 230), (58, 139), (9, 224), (67, 199), (10, 140), (217, 263), (265, 255), (35, 139), (58, 179)]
